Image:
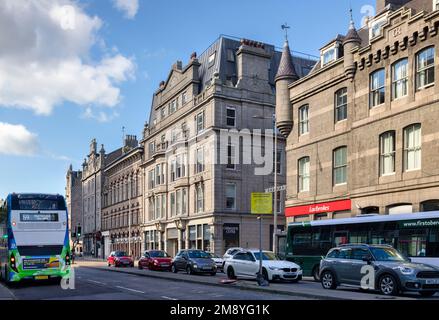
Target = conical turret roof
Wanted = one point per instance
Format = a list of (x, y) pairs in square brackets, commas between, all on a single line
[(286, 67)]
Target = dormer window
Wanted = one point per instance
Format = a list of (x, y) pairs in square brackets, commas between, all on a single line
[(375, 27), (329, 54), (211, 60)]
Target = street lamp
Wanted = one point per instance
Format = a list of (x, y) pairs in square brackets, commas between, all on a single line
[(275, 179)]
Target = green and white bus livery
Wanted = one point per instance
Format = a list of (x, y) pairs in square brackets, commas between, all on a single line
[(416, 235), (35, 238)]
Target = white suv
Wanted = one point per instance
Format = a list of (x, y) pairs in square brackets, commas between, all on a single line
[(245, 263)]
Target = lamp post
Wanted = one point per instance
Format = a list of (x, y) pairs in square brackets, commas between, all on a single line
[(274, 248)]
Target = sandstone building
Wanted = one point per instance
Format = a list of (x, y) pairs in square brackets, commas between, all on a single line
[(197, 186)]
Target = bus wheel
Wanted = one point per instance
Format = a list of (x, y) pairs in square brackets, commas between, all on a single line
[(316, 273)]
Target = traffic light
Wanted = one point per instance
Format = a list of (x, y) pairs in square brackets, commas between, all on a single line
[(78, 232)]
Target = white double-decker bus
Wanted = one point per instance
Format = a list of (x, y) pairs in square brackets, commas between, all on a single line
[(34, 240)]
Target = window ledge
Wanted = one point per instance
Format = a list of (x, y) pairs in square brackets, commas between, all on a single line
[(425, 87)]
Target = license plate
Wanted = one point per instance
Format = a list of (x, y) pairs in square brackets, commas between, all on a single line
[(432, 281), (165, 265), (207, 268), (41, 277)]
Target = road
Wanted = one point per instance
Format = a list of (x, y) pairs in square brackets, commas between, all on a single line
[(98, 282), (92, 284)]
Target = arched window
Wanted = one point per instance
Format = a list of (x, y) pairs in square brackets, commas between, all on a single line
[(341, 104), (412, 147), (377, 88), (430, 205), (303, 119), (400, 208), (425, 68), (400, 79), (304, 174)]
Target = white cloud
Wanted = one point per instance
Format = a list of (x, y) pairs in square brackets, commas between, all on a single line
[(100, 116), (17, 140), (129, 7), (45, 57)]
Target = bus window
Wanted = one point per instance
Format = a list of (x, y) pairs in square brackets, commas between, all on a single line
[(340, 238), (383, 237), (413, 243), (433, 243), (358, 237)]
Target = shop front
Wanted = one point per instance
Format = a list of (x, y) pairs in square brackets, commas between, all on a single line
[(319, 211)]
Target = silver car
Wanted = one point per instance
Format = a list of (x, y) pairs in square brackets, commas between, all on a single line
[(377, 267)]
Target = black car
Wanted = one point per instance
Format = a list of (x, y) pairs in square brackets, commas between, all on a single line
[(194, 261)]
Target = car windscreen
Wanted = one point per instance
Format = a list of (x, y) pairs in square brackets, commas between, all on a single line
[(120, 254), (387, 254), (158, 254), (198, 255), (266, 256), (213, 255)]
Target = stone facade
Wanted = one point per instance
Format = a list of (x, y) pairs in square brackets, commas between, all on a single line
[(92, 181), (122, 201), (74, 204), (370, 135), (191, 198)]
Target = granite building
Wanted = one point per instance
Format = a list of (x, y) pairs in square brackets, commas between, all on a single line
[(74, 205), (361, 127), (122, 200), (192, 199)]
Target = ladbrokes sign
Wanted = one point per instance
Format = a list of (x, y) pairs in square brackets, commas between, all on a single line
[(318, 208)]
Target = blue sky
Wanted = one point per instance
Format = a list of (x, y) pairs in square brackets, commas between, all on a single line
[(109, 62)]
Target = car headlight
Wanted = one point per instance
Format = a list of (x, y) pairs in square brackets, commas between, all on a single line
[(195, 265), (274, 268), (405, 270)]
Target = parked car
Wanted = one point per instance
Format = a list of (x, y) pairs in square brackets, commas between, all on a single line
[(229, 253), (394, 273), (245, 263), (194, 261), (120, 259), (218, 261), (155, 260)]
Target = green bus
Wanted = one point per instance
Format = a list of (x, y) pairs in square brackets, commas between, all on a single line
[(416, 235), (34, 241)]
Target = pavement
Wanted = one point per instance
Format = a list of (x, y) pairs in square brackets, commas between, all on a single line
[(307, 289)]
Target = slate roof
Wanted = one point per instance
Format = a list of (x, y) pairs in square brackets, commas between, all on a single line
[(286, 66)]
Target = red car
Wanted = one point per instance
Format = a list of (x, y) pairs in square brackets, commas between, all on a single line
[(120, 259), (155, 260)]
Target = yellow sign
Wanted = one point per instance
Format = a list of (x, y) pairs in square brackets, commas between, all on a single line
[(262, 203)]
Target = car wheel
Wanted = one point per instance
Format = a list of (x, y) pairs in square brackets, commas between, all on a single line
[(316, 273), (139, 266), (213, 274), (189, 270), (388, 285), (174, 268), (328, 280), (109, 264), (427, 293), (265, 274), (231, 273)]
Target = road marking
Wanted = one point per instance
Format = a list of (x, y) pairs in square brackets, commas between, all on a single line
[(138, 291), (168, 298), (98, 282)]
